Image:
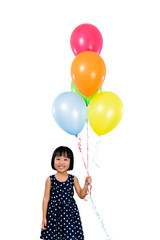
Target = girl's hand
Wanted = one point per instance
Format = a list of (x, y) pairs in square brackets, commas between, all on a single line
[(44, 224), (88, 180)]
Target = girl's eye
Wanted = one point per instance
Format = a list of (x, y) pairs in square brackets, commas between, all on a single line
[(65, 159)]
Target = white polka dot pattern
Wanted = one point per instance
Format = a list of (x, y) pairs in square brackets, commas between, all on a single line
[(63, 218)]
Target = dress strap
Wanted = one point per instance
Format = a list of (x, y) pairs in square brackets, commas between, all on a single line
[(72, 179), (52, 180)]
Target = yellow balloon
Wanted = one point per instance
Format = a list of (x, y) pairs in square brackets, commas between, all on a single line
[(105, 112)]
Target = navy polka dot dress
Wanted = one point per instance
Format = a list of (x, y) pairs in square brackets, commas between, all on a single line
[(63, 219)]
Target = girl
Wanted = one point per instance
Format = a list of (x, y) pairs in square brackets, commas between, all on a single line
[(61, 219)]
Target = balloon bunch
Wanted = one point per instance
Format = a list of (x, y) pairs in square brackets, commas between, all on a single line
[(86, 100), (88, 71)]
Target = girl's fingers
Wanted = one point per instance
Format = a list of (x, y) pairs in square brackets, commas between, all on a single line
[(89, 179), (44, 228), (44, 225)]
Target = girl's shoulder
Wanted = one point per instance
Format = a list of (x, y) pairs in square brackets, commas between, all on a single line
[(48, 182), (71, 178), (71, 175), (74, 178), (51, 177)]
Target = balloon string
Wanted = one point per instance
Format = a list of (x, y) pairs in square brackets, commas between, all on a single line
[(86, 197), (96, 152), (87, 149), (80, 149), (88, 194), (100, 218), (89, 185), (86, 166)]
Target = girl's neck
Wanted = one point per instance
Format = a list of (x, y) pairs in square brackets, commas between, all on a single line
[(61, 177), (63, 174)]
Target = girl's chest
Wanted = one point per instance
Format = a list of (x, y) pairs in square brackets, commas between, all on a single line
[(62, 188)]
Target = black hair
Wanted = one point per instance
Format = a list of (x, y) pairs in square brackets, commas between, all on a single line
[(61, 151)]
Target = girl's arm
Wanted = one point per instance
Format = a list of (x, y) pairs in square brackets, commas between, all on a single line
[(46, 197), (81, 192)]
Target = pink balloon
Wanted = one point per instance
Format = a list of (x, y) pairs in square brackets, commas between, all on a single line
[(86, 37)]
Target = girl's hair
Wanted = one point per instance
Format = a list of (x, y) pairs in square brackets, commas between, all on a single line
[(63, 151)]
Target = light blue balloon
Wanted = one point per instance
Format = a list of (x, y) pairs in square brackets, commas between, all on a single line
[(70, 112)]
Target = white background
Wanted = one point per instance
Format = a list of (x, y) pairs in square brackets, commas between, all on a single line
[(35, 61)]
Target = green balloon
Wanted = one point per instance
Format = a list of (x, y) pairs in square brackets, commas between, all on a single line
[(87, 100)]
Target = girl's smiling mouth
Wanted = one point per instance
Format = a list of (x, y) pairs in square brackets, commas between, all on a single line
[(61, 167)]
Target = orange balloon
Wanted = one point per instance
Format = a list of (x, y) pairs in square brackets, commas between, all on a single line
[(88, 72)]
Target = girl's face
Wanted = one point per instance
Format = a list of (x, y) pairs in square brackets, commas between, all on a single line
[(62, 163)]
